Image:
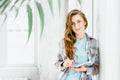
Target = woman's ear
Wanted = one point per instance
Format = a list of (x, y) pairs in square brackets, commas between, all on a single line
[(85, 23)]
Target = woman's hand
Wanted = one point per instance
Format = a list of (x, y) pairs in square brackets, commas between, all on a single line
[(81, 68), (68, 63)]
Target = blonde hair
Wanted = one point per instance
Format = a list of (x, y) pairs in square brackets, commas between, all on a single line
[(69, 37)]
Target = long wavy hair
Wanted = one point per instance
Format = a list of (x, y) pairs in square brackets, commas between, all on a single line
[(69, 35)]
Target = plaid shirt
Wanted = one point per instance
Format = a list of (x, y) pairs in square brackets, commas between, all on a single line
[(92, 50)]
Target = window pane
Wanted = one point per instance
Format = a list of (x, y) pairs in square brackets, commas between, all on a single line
[(18, 50)]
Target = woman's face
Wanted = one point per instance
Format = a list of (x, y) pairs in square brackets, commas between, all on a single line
[(78, 24)]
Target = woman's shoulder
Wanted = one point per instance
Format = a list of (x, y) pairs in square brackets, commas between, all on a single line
[(93, 41), (89, 38)]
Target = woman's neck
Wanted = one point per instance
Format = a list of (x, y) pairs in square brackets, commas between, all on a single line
[(80, 36)]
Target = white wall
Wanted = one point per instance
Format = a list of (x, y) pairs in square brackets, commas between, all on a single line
[(107, 14), (30, 72), (18, 72), (53, 32), (2, 40)]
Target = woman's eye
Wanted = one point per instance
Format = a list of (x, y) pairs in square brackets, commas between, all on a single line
[(72, 23), (78, 21)]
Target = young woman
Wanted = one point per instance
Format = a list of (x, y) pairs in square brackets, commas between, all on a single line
[(78, 55)]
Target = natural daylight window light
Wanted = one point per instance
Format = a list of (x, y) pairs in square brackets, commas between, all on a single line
[(18, 50)]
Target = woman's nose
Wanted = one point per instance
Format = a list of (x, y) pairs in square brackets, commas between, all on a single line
[(76, 25)]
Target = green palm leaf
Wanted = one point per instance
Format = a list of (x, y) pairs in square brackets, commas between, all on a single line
[(17, 11), (59, 5), (80, 2), (14, 4), (30, 20), (5, 18), (41, 15), (4, 5), (22, 2), (51, 6)]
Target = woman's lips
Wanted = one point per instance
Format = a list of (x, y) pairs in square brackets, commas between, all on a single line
[(77, 29)]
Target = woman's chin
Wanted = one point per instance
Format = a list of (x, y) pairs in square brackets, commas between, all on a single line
[(78, 33)]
